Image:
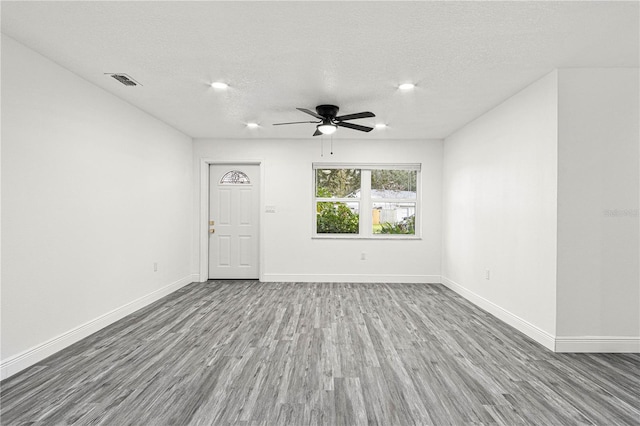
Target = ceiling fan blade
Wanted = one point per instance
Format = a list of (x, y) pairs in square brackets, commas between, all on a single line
[(317, 133), (354, 126), (295, 122), (311, 113), (365, 114)]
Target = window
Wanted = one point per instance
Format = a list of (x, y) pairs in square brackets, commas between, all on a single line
[(235, 177), (337, 201), (366, 201)]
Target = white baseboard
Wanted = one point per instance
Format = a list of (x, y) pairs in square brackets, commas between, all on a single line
[(17, 363), (352, 278), (545, 339), (598, 344)]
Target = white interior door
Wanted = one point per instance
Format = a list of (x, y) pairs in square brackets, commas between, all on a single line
[(234, 205)]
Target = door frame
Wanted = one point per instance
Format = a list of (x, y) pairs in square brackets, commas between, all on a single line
[(203, 227)]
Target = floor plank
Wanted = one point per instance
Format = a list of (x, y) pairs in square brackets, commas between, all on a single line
[(250, 353)]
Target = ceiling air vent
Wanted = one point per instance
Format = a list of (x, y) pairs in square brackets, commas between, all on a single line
[(124, 79)]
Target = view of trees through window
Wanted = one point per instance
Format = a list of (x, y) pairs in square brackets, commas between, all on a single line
[(394, 180), (337, 183), (337, 217), (341, 195)]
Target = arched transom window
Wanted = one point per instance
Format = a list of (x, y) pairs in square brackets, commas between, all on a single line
[(235, 177)]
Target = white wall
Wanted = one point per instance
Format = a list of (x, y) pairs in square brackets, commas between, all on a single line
[(499, 210), (94, 191), (598, 223), (290, 254)]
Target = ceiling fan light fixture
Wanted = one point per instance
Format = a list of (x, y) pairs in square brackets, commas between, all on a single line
[(380, 126), (253, 125), (327, 129)]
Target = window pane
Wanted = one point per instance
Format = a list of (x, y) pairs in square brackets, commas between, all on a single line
[(338, 183), (394, 218), (337, 218), (235, 177), (393, 184)]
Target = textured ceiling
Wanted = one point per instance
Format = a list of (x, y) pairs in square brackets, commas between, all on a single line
[(465, 57)]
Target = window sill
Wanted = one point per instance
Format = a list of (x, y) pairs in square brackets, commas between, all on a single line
[(370, 238)]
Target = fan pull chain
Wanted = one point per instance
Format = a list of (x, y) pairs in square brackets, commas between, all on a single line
[(331, 144)]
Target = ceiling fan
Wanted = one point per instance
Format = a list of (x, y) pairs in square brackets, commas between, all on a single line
[(328, 121)]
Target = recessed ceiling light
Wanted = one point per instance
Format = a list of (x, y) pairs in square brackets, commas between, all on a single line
[(381, 126), (219, 85), (406, 86), (253, 125)]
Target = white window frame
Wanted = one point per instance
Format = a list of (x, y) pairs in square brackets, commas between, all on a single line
[(365, 228)]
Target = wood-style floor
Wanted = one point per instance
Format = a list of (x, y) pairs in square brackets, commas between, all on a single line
[(250, 353)]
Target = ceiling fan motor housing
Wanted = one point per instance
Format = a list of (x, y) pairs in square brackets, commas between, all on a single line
[(327, 111)]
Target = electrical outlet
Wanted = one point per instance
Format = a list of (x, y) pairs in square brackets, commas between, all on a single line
[(487, 274), (155, 266), (363, 256)]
